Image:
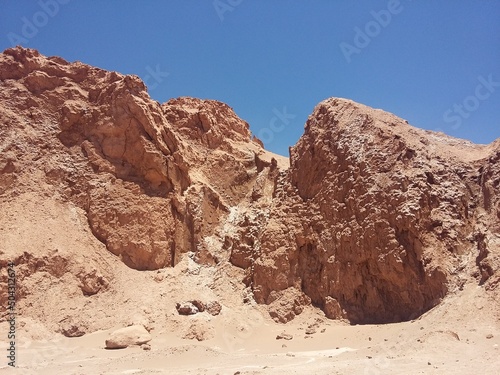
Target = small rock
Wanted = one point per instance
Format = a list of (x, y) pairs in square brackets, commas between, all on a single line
[(159, 276), (489, 336), (284, 336), (186, 308), (73, 330), (146, 347), (310, 331), (214, 308)]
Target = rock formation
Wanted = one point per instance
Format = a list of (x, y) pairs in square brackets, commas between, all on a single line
[(370, 219), (384, 216)]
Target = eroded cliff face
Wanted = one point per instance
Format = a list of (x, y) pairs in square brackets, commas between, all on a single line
[(154, 179), (385, 215), (371, 220)]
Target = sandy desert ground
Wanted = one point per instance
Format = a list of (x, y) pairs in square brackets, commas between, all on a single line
[(455, 338)]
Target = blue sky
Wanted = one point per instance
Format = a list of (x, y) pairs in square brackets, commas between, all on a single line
[(434, 63)]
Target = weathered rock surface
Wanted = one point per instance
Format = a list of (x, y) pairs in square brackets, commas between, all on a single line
[(128, 336), (376, 218), (214, 308), (370, 219)]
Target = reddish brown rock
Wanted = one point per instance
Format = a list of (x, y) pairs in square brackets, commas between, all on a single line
[(214, 308), (128, 161), (375, 216)]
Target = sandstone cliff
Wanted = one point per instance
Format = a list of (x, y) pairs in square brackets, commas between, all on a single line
[(370, 219)]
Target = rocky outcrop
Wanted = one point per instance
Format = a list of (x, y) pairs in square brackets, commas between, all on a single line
[(376, 217), (124, 158), (487, 230), (370, 219)]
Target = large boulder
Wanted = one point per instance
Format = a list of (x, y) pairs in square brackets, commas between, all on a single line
[(128, 336)]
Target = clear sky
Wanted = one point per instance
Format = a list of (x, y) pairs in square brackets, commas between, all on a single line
[(433, 63)]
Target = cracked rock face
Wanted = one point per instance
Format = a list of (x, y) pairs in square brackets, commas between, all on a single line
[(369, 219), (377, 217)]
